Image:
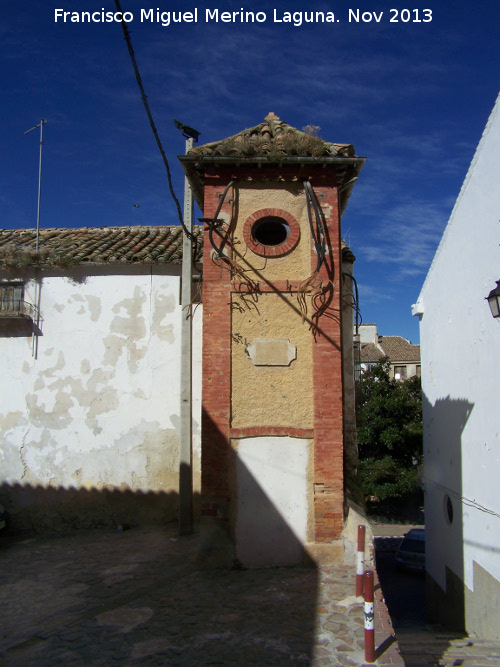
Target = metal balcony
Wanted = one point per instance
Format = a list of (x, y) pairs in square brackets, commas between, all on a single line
[(14, 309)]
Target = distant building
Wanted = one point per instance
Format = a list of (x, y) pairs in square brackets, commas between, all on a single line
[(461, 388), (404, 357)]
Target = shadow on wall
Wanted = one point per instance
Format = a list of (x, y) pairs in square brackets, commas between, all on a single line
[(263, 616), (45, 509), (271, 513), (444, 423), (255, 501), (18, 328), (251, 527)]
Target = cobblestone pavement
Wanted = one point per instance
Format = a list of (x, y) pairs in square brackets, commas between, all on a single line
[(131, 598)]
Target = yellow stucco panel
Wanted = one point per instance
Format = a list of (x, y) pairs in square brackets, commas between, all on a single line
[(289, 197), (270, 395)]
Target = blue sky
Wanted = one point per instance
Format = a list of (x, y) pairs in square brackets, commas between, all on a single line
[(413, 97)]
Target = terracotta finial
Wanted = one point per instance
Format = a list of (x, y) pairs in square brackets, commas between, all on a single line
[(271, 116)]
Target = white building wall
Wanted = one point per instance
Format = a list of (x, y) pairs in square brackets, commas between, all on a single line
[(96, 407), (460, 344), (368, 333)]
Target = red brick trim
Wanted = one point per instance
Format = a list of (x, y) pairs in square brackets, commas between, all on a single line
[(271, 251), (216, 360), (255, 431), (328, 390)]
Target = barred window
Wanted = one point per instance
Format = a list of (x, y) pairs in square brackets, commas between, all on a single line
[(11, 297)]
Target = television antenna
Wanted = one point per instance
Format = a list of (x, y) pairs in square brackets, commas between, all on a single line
[(40, 125)]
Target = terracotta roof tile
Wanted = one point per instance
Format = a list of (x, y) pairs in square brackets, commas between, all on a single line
[(273, 138), (399, 349), (370, 353), (103, 245), (95, 245), (273, 142)]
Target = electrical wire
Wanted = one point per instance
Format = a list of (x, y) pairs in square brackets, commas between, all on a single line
[(355, 305), (218, 250), (319, 235), (231, 263), (126, 34), (322, 297), (463, 499)]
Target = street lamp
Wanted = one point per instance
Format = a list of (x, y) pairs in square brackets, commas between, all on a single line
[(494, 300), (187, 132)]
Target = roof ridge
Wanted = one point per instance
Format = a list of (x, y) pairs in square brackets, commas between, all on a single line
[(273, 138)]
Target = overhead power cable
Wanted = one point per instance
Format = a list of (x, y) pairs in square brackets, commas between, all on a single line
[(126, 34), (463, 499)]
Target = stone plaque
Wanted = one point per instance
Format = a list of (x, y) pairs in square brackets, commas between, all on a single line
[(269, 352)]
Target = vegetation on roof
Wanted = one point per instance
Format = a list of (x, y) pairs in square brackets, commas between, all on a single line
[(63, 248), (273, 139)]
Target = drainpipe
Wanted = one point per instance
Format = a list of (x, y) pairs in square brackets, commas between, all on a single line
[(185, 449)]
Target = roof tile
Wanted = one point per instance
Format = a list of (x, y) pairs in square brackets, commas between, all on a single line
[(98, 245), (273, 138), (370, 353), (396, 348)]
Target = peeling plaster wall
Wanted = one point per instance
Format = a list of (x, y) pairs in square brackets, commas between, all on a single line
[(96, 409)]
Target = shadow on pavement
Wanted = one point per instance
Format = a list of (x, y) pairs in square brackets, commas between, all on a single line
[(98, 596), (405, 596)]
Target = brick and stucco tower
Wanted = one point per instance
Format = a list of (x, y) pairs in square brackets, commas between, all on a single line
[(273, 405)]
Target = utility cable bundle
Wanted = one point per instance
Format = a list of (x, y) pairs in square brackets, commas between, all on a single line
[(322, 294), (220, 258)]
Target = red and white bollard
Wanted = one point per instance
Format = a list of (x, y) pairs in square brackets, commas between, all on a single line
[(369, 617), (360, 563)]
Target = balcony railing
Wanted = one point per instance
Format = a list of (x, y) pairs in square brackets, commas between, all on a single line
[(17, 308)]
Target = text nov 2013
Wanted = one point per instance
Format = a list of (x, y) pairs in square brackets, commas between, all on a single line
[(208, 15)]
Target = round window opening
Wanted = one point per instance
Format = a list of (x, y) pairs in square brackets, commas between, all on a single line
[(271, 231), (448, 509)]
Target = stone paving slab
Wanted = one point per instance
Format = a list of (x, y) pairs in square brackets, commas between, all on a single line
[(99, 597), (131, 598)]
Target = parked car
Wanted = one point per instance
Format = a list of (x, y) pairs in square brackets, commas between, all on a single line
[(411, 552)]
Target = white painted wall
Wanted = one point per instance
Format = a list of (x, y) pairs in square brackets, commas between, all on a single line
[(368, 333), (272, 513), (98, 407), (460, 343)]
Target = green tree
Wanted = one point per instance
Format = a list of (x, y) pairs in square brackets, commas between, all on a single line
[(389, 425)]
